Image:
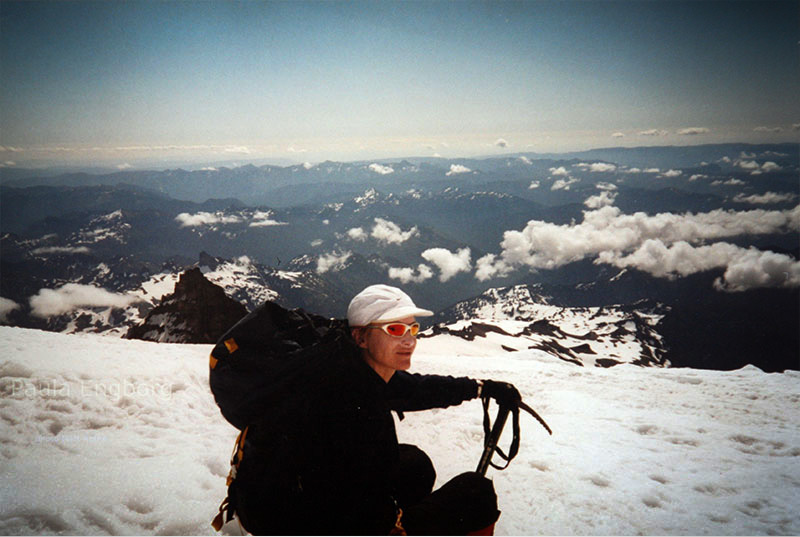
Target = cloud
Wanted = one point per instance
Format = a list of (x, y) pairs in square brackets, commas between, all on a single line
[(501, 143), (598, 167), (748, 164), (70, 296), (449, 263), (564, 184), (237, 149), (770, 167), (693, 131), (608, 234), (560, 171), (390, 233), (206, 219), (533, 185), (332, 261), (46, 250), (408, 275), (600, 200), (746, 268), (768, 129), (264, 219), (765, 199), (606, 186), (124, 166), (729, 182), (672, 173), (653, 132), (380, 169), (525, 160), (457, 168), (618, 135), (796, 126), (357, 234), (6, 307), (697, 176)]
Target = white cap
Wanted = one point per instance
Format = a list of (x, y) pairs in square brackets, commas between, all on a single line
[(382, 303)]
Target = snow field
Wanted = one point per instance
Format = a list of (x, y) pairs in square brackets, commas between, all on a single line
[(634, 450), (106, 436)]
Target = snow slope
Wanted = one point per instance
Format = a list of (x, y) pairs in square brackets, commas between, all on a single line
[(100, 435)]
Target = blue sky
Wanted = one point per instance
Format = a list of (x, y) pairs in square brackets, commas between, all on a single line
[(130, 81)]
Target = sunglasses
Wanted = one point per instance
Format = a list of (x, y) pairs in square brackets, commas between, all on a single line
[(398, 329)]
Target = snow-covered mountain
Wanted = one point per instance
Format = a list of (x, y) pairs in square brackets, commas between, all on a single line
[(711, 234), (514, 319), (114, 436)]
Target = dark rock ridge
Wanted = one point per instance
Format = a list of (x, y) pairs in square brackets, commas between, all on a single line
[(198, 311)]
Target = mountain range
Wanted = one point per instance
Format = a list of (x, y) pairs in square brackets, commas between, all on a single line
[(703, 240)]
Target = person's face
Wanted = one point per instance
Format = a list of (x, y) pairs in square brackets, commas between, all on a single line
[(384, 353)]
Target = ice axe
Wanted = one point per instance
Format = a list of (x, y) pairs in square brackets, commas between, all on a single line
[(493, 432)]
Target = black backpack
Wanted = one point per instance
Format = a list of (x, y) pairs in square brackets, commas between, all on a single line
[(259, 370)]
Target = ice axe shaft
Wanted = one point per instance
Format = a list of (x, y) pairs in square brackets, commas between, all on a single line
[(493, 438)]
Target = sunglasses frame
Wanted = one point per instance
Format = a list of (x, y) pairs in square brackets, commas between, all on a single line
[(407, 328)]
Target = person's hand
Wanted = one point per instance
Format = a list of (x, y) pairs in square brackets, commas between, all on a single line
[(504, 393)]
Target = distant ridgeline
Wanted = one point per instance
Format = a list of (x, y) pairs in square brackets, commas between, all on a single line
[(686, 256)]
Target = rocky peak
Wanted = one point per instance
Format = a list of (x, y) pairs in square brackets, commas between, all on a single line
[(198, 311)]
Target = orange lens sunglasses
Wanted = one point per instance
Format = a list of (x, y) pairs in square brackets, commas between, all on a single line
[(398, 329)]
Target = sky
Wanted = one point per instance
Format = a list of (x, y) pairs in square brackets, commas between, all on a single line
[(133, 81)]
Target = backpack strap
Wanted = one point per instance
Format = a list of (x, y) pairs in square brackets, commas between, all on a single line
[(226, 510)]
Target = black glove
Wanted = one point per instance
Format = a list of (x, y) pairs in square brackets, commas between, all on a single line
[(504, 393)]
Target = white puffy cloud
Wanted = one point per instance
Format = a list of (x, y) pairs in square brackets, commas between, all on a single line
[(357, 234), (203, 218), (501, 143), (693, 131), (768, 129), (600, 200), (7, 306), (765, 199), (672, 173), (525, 160), (332, 261), (697, 176), (561, 170), (449, 263), (770, 167), (408, 275), (748, 164), (746, 268), (491, 266), (455, 169), (613, 237), (755, 269), (533, 185), (390, 233), (598, 167), (564, 184), (70, 296), (618, 135), (264, 219), (381, 169)]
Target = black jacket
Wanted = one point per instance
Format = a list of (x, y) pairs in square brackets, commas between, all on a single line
[(339, 460)]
